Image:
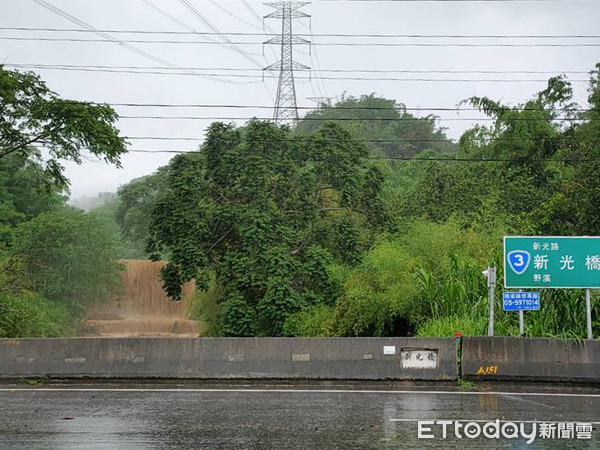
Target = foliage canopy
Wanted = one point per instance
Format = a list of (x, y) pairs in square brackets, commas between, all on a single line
[(267, 213), (31, 115)]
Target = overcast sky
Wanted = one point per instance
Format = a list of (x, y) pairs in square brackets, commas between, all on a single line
[(343, 17)]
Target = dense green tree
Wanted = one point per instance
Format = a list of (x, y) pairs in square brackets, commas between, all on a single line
[(528, 145), (31, 115), (528, 174), (26, 190), (446, 189), (383, 295), (135, 203), (125, 247), (47, 249), (386, 125), (267, 213), (538, 175), (68, 256), (582, 193), (90, 202), (291, 228)]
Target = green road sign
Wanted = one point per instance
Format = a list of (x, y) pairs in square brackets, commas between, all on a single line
[(551, 262)]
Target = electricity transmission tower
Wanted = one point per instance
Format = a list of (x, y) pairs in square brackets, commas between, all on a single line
[(286, 109), (321, 100)]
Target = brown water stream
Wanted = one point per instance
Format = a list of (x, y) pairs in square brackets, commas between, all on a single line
[(143, 310)]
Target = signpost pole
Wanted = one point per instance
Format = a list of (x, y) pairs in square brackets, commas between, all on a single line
[(521, 323), (588, 312), (491, 274)]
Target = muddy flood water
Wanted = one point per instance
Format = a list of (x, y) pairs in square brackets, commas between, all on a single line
[(144, 310)]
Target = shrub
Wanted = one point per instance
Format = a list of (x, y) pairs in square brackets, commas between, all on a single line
[(314, 321), (31, 315)]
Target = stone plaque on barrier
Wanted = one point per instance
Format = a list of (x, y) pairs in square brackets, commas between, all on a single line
[(413, 358)]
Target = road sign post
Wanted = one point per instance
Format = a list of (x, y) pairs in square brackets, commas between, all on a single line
[(588, 313), (490, 273), (521, 324), (553, 262)]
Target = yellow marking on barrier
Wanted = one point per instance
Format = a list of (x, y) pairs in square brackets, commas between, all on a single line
[(489, 370)]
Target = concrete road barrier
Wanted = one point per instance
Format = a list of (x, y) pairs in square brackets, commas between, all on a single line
[(535, 359), (220, 358)]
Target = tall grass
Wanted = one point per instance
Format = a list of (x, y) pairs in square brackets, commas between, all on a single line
[(447, 326), (457, 301), (460, 291), (562, 314), (456, 298)]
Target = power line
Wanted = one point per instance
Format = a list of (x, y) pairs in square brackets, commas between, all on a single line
[(368, 141), (413, 158), (268, 76), (254, 13), (172, 18), (193, 32), (317, 74), (185, 26), (318, 80), (349, 108), (232, 45), (230, 14), (110, 38), (241, 69), (261, 21), (235, 44), (459, 1), (204, 20), (339, 119), (425, 159)]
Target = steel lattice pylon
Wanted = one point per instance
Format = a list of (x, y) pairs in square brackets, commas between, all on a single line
[(286, 109)]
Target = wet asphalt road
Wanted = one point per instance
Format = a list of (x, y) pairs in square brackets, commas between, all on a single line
[(276, 417)]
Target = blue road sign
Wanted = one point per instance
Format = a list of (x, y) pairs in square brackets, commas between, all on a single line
[(518, 260), (521, 301)]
